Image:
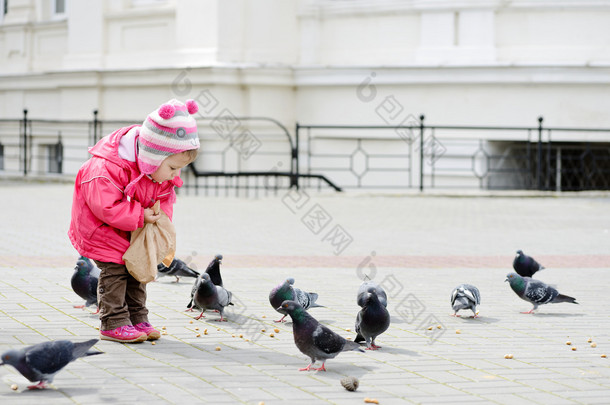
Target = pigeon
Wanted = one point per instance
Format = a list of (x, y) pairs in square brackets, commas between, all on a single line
[(313, 339), (525, 265), (210, 296), (213, 270), (42, 361), (286, 291), (84, 281), (535, 291), (364, 290), (465, 296), (177, 268), (372, 320)]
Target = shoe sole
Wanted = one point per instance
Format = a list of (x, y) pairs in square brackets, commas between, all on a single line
[(139, 339), (154, 335)]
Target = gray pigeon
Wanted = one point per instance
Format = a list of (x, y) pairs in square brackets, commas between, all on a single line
[(465, 296), (313, 339), (210, 296), (524, 265), (536, 292), (372, 320), (177, 268), (285, 291), (84, 281), (213, 270), (42, 361), (364, 290)]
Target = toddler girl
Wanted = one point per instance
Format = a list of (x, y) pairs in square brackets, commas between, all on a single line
[(114, 191)]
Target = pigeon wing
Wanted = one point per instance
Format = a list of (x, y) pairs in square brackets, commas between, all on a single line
[(327, 341), (224, 296), (472, 293), (49, 357), (539, 293), (305, 299)]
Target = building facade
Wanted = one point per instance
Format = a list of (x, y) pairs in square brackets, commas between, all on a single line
[(494, 63)]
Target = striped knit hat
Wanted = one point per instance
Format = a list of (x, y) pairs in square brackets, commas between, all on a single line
[(168, 130)]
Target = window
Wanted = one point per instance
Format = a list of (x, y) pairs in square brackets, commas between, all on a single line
[(59, 7), (55, 157), (3, 9)]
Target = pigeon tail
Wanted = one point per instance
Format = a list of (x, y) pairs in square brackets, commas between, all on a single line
[(350, 345), (564, 298), (81, 349)]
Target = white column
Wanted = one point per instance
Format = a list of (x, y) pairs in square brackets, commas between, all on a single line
[(197, 31), (86, 33)]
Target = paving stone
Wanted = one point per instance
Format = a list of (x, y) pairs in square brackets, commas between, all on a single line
[(423, 247)]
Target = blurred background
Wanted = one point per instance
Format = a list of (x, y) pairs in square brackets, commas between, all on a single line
[(318, 94)]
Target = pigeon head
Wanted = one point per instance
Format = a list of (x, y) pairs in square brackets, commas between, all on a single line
[(290, 307), (10, 357), (206, 278), (81, 266), (519, 252), (371, 297), (218, 258), (290, 280), (510, 277)]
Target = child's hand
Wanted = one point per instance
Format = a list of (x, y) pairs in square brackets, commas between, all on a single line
[(150, 217)]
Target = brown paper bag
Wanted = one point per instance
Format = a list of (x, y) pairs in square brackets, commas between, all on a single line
[(150, 245)]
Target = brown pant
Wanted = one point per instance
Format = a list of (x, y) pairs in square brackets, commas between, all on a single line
[(121, 298)]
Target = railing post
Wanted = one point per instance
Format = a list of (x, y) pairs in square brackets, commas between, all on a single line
[(95, 124), (421, 152), (294, 169), (25, 142), (59, 154), (539, 162)]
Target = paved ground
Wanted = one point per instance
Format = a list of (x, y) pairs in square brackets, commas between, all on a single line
[(417, 247)]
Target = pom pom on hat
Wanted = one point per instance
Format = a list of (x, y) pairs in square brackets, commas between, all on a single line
[(192, 106), (168, 130), (167, 111)]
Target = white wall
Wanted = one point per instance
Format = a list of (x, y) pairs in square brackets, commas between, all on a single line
[(468, 62)]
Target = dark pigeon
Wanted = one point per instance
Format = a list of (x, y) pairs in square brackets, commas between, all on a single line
[(313, 339), (177, 268), (84, 281), (213, 270), (286, 291), (210, 296), (524, 265), (536, 292), (372, 320), (465, 296), (42, 361), (363, 290)]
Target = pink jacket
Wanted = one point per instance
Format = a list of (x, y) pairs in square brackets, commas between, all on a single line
[(102, 215)]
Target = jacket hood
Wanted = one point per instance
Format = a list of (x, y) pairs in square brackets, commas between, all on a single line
[(108, 147)]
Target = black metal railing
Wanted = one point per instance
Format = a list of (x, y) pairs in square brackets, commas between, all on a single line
[(448, 156), (245, 156), (257, 154)]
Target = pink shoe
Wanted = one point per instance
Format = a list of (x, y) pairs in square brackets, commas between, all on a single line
[(124, 334), (147, 328)]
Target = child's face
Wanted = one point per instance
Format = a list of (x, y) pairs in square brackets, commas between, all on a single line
[(170, 167)]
